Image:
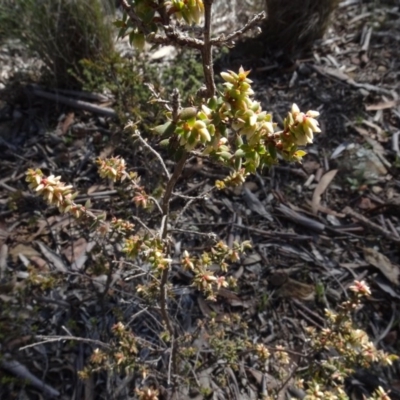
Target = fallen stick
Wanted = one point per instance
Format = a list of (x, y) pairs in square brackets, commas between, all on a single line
[(369, 224), (74, 93), (22, 372), (82, 105)]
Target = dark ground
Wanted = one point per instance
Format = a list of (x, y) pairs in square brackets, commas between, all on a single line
[(49, 287)]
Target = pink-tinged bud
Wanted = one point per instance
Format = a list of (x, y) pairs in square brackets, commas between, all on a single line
[(243, 75), (38, 179)]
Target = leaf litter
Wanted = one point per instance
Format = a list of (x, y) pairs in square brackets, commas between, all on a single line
[(291, 229)]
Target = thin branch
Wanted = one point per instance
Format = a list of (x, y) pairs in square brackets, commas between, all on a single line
[(208, 235), (50, 339), (371, 225), (148, 147), (175, 38), (165, 273), (189, 203), (170, 187), (206, 50), (137, 22), (82, 105), (22, 372), (154, 200), (223, 40), (137, 219)]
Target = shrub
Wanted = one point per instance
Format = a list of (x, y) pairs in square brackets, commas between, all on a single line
[(60, 32), (229, 127)]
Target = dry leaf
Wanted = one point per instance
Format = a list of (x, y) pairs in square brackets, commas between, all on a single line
[(301, 219), (321, 187), (298, 290), (26, 250), (380, 261), (68, 121), (75, 250), (251, 259), (52, 257), (254, 204), (204, 307)]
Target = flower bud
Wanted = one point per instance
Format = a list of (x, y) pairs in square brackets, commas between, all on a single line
[(295, 109), (312, 114), (228, 77), (204, 135), (312, 124)]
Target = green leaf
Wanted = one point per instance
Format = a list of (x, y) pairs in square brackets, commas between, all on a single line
[(239, 153), (188, 113), (164, 143), (272, 151), (166, 129), (145, 12), (119, 23), (238, 163), (137, 40), (224, 155)]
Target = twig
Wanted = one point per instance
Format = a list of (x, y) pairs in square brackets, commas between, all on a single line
[(225, 40), (275, 234), (281, 392), (175, 38), (50, 339), (134, 18), (187, 205), (76, 93), (137, 219), (369, 224), (21, 371), (154, 200), (206, 51), (148, 147), (82, 105), (301, 219), (208, 235), (164, 275)]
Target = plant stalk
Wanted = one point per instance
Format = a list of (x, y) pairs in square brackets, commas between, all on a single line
[(206, 51), (164, 275)]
